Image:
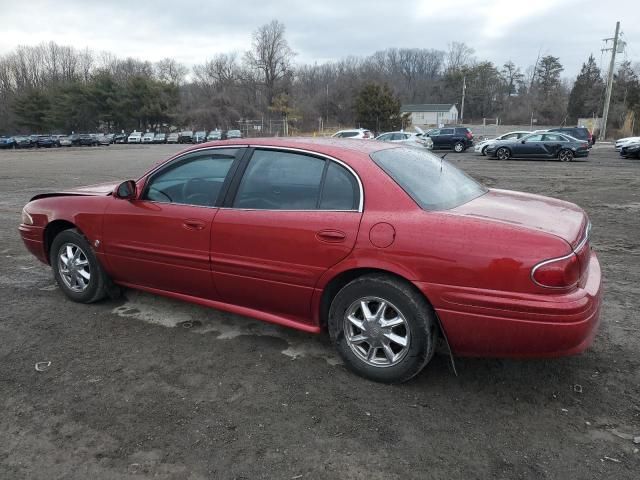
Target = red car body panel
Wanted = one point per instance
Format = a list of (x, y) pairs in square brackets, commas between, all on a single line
[(472, 262)]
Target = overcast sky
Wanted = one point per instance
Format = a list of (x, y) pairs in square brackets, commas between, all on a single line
[(321, 30)]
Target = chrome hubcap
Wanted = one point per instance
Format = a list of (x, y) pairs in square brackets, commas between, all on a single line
[(376, 331), (74, 268)]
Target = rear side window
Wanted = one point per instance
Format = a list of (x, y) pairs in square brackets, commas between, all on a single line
[(433, 183), (348, 134), (446, 131), (340, 190), (277, 180)]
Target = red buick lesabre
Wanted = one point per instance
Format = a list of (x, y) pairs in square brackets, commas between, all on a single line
[(386, 246)]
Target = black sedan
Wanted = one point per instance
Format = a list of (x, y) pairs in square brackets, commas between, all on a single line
[(23, 142), (540, 145), (46, 141), (631, 151)]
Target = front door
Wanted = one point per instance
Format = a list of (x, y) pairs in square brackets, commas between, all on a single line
[(287, 219), (532, 147), (161, 239)]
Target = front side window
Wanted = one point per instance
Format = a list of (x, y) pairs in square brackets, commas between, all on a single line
[(534, 138), (195, 180), (277, 180), (433, 183)]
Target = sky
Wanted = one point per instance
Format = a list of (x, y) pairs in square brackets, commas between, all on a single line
[(323, 30)]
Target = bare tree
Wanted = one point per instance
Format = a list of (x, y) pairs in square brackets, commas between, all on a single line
[(459, 55), (271, 56)]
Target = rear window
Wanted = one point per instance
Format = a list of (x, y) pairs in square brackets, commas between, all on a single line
[(432, 182)]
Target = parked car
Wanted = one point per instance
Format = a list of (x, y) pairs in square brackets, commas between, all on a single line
[(120, 138), (631, 150), (408, 138), (64, 141), (453, 138), (173, 138), (623, 142), (501, 273), (46, 141), (581, 133), (7, 142), (199, 137), (87, 140), (186, 136), (110, 137), (231, 134), (34, 139), (135, 137), (481, 146), (103, 140), (540, 145), (22, 141), (214, 135), (148, 137), (160, 138), (360, 133)]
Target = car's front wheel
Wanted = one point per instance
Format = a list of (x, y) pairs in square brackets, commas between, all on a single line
[(76, 268), (382, 328), (565, 155), (503, 153), (458, 147)]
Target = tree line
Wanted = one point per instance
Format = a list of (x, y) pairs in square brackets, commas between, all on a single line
[(52, 87)]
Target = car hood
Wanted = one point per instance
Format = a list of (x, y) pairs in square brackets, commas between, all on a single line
[(535, 212), (99, 189)]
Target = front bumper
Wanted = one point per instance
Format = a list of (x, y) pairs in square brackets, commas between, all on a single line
[(486, 323), (33, 239)]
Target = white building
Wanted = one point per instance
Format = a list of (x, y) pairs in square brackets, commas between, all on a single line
[(431, 114)]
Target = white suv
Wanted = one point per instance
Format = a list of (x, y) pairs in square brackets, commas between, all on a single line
[(135, 137), (354, 133)]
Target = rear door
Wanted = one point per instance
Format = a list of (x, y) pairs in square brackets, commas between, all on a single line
[(446, 138), (289, 216), (553, 143)]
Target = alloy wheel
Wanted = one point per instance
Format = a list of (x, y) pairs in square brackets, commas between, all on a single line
[(503, 154), (74, 267), (376, 331), (565, 156), (458, 147)]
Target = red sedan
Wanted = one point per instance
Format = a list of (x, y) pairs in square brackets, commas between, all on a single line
[(386, 246)]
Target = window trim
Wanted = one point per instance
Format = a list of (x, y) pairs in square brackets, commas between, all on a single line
[(184, 156), (227, 203)]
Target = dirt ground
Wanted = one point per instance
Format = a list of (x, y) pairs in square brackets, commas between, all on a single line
[(133, 393)]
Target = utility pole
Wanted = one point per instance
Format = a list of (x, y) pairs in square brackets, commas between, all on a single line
[(607, 97), (464, 89)]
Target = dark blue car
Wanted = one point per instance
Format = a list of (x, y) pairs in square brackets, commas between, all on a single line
[(7, 142), (540, 145)]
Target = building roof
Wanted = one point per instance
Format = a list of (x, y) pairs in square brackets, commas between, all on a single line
[(427, 107)]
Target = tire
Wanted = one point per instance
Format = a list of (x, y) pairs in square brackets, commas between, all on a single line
[(458, 147), (503, 153), (73, 284), (390, 361), (565, 155), (484, 151)]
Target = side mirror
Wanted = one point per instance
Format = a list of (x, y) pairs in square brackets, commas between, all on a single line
[(522, 141), (126, 190)]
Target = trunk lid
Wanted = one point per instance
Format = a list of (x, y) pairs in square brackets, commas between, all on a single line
[(536, 212)]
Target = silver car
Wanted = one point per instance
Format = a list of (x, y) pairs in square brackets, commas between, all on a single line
[(481, 147)]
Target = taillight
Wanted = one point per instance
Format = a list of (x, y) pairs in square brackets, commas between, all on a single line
[(563, 272), (469, 135)]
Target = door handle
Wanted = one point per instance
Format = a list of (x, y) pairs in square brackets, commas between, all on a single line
[(192, 224), (331, 236)]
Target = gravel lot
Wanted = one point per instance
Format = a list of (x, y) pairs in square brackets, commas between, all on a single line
[(132, 393)]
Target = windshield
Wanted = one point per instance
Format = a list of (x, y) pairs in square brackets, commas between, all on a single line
[(433, 183)]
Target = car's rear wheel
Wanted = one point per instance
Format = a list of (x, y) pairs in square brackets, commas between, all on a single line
[(76, 268), (458, 147), (503, 153), (565, 155), (382, 328)]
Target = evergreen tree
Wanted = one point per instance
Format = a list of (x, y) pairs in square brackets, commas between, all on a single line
[(377, 108), (585, 96)]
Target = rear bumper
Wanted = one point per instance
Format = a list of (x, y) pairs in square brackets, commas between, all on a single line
[(485, 323), (33, 239)]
